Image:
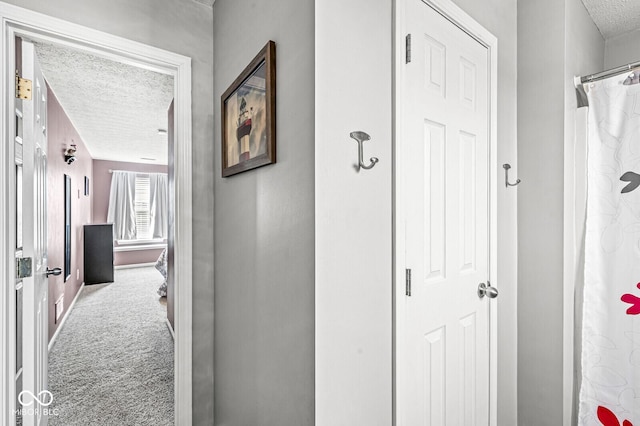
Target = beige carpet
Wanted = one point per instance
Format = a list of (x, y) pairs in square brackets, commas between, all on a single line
[(112, 364)]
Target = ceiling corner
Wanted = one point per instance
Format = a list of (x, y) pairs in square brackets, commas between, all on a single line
[(206, 2)]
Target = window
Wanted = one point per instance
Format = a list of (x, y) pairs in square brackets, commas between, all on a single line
[(138, 206), (142, 207)]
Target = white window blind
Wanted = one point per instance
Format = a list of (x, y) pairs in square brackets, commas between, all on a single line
[(142, 208)]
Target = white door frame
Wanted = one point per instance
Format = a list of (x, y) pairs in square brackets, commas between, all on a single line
[(456, 15), (19, 21)]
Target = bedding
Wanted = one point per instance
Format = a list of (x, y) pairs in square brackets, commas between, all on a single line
[(161, 266)]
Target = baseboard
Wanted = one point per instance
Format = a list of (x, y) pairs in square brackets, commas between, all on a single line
[(64, 318), (173, 336), (134, 265)]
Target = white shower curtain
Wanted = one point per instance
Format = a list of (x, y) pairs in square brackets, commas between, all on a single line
[(121, 208), (610, 361)]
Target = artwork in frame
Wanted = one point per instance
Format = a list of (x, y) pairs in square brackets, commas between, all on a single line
[(86, 186), (249, 116)]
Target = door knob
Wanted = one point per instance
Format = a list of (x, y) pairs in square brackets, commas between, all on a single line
[(54, 271), (487, 290)]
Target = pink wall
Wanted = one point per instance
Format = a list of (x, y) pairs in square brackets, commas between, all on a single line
[(61, 134), (100, 195)]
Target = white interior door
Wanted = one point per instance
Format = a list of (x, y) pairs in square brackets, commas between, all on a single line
[(31, 188), (445, 353)]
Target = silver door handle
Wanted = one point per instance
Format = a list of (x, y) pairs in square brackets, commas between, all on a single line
[(487, 290), (54, 271)]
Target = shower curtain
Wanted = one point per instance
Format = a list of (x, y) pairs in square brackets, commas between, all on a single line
[(610, 361)]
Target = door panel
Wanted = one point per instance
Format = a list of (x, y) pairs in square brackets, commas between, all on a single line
[(446, 174), (31, 182)]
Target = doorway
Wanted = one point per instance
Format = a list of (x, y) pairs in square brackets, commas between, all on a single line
[(446, 212), (18, 22)]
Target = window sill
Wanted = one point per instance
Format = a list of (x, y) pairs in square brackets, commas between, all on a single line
[(137, 245)]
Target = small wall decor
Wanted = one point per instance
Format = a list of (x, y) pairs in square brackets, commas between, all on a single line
[(249, 116), (86, 186), (70, 154)]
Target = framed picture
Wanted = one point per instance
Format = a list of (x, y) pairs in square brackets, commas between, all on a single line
[(249, 116), (86, 186)]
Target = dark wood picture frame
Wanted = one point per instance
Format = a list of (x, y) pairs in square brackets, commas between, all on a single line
[(86, 186), (67, 227), (249, 116)]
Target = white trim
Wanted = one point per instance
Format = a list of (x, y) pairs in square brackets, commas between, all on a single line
[(16, 20), (460, 18), (135, 265), (64, 318), (575, 199), (140, 242), (141, 247), (173, 336)]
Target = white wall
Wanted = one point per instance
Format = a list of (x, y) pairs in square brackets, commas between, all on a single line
[(622, 50), (354, 210), (353, 213)]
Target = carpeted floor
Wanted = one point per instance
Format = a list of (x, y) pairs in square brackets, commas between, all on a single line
[(112, 363)]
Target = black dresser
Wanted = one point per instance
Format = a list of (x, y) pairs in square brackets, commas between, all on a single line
[(98, 253)]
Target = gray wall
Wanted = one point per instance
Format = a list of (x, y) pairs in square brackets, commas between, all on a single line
[(540, 204), (264, 225), (585, 51), (622, 50), (185, 27), (556, 40)]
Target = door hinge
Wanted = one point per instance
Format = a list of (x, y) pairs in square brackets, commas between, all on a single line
[(407, 42), (23, 87), (407, 288), (24, 267)]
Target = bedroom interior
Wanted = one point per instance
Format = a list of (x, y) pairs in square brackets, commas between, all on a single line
[(119, 278)]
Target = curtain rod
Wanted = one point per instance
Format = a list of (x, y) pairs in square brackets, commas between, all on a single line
[(604, 74), (578, 82)]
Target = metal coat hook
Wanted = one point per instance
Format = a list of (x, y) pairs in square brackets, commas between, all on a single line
[(361, 137), (507, 166)]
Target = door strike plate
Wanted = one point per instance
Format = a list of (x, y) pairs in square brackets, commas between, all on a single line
[(24, 267)]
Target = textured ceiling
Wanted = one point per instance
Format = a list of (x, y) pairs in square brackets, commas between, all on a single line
[(117, 109), (614, 17)]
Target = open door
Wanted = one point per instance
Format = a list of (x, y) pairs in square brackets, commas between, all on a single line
[(170, 226), (31, 237)]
